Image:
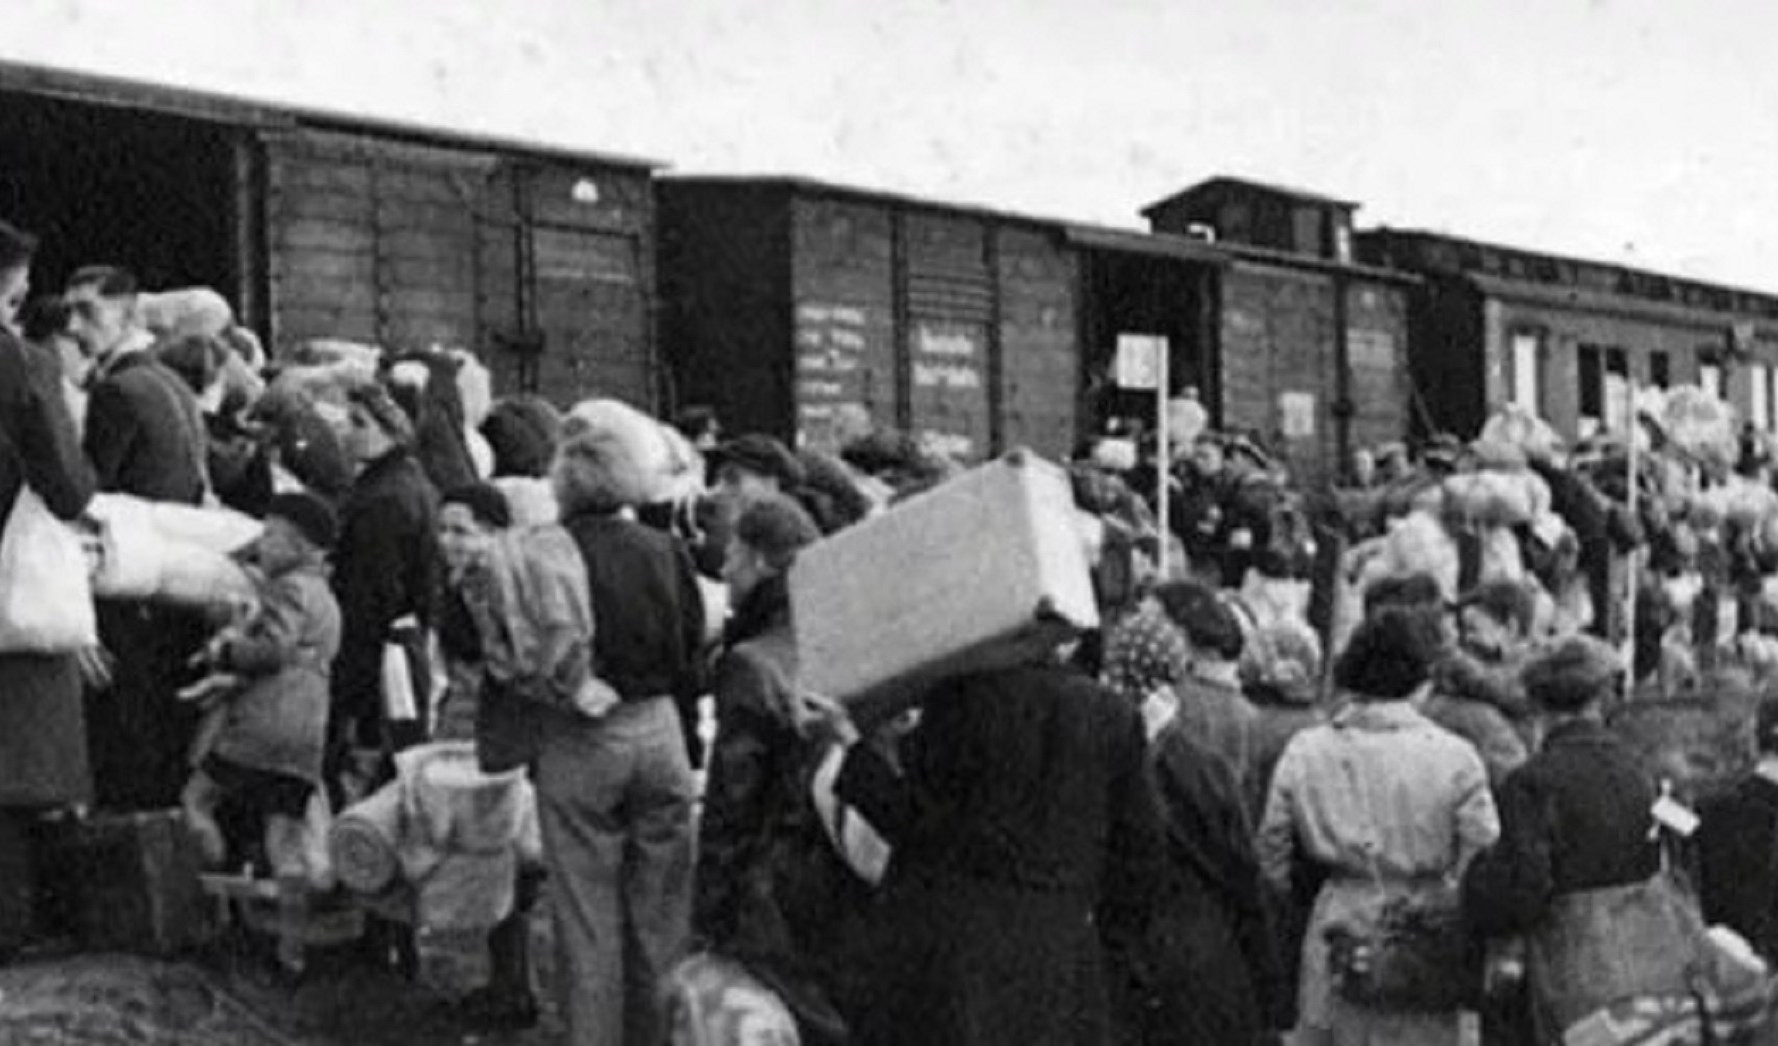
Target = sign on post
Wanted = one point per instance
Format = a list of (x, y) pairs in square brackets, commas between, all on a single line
[(1141, 363), (1141, 359)]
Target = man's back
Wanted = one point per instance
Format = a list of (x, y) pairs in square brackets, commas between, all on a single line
[(144, 434)]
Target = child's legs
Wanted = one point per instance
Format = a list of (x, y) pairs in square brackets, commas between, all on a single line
[(199, 799)]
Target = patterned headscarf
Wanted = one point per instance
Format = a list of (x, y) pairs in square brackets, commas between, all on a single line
[(1144, 651)]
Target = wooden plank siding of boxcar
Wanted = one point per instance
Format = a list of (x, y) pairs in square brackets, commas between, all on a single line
[(591, 264), (1278, 336), (1039, 354), (949, 337), (371, 241), (1378, 387), (843, 288)]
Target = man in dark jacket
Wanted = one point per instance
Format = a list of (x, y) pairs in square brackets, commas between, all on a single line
[(144, 431), (1575, 823), (43, 755), (144, 437), (1025, 843), (1737, 847), (771, 890)]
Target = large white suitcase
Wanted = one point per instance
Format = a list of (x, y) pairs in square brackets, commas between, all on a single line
[(984, 571)]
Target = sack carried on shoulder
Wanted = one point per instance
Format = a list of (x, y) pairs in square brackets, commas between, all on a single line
[(1420, 957), (46, 599)]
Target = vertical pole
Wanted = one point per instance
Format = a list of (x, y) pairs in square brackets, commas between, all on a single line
[(1635, 559), (1163, 450)]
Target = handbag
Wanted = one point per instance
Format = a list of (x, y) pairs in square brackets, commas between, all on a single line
[(46, 596), (1419, 958)]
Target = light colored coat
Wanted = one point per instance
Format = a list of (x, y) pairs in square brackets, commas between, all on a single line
[(1385, 801)]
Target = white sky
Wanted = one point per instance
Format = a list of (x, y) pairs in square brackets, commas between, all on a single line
[(1643, 131)]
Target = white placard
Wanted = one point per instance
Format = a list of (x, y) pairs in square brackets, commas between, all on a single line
[(1296, 414), (1138, 363)]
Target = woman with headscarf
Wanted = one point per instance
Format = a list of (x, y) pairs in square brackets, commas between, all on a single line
[(1207, 968), (1389, 809), (469, 521)]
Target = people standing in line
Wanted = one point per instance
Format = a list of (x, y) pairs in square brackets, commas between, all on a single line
[(1213, 971), (385, 574), (470, 520), (43, 747), (772, 892), (1476, 693), (1383, 806), (1212, 708), (615, 793), (144, 437), (43, 322), (1026, 852), (237, 460), (1576, 870), (1737, 847)]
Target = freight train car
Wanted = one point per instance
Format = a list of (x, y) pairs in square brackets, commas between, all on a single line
[(1311, 347), (814, 312), (811, 311), (540, 259), (1564, 337)]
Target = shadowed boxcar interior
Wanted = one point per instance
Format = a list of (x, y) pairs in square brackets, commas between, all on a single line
[(150, 192)]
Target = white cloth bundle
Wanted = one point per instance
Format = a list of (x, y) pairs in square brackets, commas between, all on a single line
[(1498, 497), (188, 310), (1741, 501), (46, 602), (179, 554), (1516, 426), (532, 500), (659, 465), (455, 834)]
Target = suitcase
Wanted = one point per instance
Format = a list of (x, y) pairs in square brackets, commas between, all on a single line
[(134, 883), (985, 571)]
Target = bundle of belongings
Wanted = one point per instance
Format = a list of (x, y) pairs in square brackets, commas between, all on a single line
[(445, 837)]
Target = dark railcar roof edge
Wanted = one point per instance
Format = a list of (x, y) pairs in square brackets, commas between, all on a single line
[(123, 93)]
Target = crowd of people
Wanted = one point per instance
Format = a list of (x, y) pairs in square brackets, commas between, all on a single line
[(1339, 766)]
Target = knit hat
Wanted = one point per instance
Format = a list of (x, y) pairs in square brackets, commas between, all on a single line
[(484, 501), (311, 516), (523, 433), (1389, 656), (776, 527), (1576, 673), (763, 455)]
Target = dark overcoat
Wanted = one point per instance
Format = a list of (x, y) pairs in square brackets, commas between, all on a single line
[(771, 890), (1026, 843), (43, 757), (1209, 960), (386, 566)]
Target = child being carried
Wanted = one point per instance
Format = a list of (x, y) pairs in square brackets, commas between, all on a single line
[(263, 740)]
